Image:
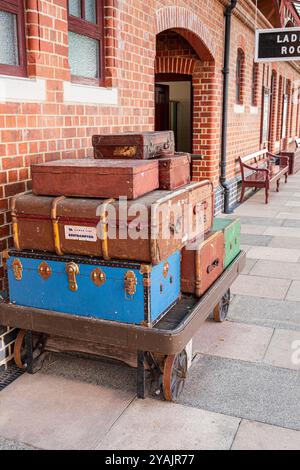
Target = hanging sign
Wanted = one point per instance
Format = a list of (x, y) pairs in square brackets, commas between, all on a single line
[(274, 45)]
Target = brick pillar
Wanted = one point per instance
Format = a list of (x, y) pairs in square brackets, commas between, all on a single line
[(207, 122)]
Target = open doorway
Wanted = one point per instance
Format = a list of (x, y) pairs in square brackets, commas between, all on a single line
[(173, 108)]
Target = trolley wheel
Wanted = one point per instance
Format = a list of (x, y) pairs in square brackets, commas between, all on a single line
[(221, 310), (174, 375), (20, 350)]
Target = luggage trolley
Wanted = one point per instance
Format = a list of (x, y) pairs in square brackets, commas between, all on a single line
[(159, 350)]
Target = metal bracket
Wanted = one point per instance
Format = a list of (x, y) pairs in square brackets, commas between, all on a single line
[(130, 281), (98, 277), (45, 270), (166, 269), (72, 270), (17, 269)]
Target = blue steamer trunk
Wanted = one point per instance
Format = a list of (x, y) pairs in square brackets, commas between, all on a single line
[(117, 291)]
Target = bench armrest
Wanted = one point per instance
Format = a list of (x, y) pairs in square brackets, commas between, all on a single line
[(253, 168), (284, 161)]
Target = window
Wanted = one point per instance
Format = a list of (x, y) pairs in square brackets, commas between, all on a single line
[(254, 85), (86, 48), (240, 63), (12, 38)]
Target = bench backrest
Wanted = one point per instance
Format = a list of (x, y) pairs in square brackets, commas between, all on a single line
[(248, 159), (260, 155)]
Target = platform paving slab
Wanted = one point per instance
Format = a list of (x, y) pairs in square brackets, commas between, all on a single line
[(284, 350), (255, 240), (258, 436), (293, 204), (233, 340), (283, 232), (6, 444), (99, 371), (263, 287), (257, 210), (291, 223), (257, 392), (51, 412), (265, 312), (275, 254), (291, 210), (285, 242), (154, 425), (266, 221), (294, 292), (276, 269), (288, 215), (249, 229), (250, 263)]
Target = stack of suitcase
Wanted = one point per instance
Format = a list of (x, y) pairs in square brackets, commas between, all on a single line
[(107, 237)]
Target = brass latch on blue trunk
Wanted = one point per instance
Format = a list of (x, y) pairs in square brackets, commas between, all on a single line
[(72, 270), (130, 282)]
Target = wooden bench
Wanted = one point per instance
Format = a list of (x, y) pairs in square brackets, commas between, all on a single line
[(263, 171), (293, 155)]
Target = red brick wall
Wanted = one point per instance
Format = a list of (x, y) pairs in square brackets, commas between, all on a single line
[(52, 129)]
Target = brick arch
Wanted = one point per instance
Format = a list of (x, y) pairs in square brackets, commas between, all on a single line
[(188, 25), (181, 65)]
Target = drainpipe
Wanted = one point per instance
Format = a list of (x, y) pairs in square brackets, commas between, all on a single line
[(223, 164)]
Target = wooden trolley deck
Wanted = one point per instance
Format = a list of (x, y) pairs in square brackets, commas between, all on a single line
[(168, 337)]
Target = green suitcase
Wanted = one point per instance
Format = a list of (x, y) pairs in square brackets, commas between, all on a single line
[(232, 237)]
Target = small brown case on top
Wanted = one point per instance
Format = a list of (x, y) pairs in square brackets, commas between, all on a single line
[(174, 170), (133, 145)]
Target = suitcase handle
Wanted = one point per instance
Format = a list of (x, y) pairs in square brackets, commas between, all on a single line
[(156, 149), (176, 227), (200, 206), (213, 266)]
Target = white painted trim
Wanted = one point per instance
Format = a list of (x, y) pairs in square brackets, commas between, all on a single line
[(22, 89), (239, 108), (253, 110), (86, 94)]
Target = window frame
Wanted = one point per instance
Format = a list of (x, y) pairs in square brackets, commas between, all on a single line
[(94, 31), (16, 8), (239, 79)]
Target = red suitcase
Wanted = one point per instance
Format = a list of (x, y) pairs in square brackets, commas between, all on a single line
[(133, 145), (200, 268), (95, 178), (174, 170)]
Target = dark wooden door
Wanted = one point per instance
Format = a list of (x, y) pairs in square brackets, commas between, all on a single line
[(162, 107)]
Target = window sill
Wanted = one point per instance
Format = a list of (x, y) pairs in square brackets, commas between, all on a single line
[(239, 108), (253, 110), (87, 94), (22, 89)]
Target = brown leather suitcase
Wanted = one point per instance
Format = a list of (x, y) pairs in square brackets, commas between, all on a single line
[(132, 145), (149, 229), (174, 170), (95, 178), (200, 268)]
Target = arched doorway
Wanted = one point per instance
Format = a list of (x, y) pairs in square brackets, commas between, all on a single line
[(187, 88)]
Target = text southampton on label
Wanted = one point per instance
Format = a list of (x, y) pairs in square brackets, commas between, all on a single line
[(274, 45)]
